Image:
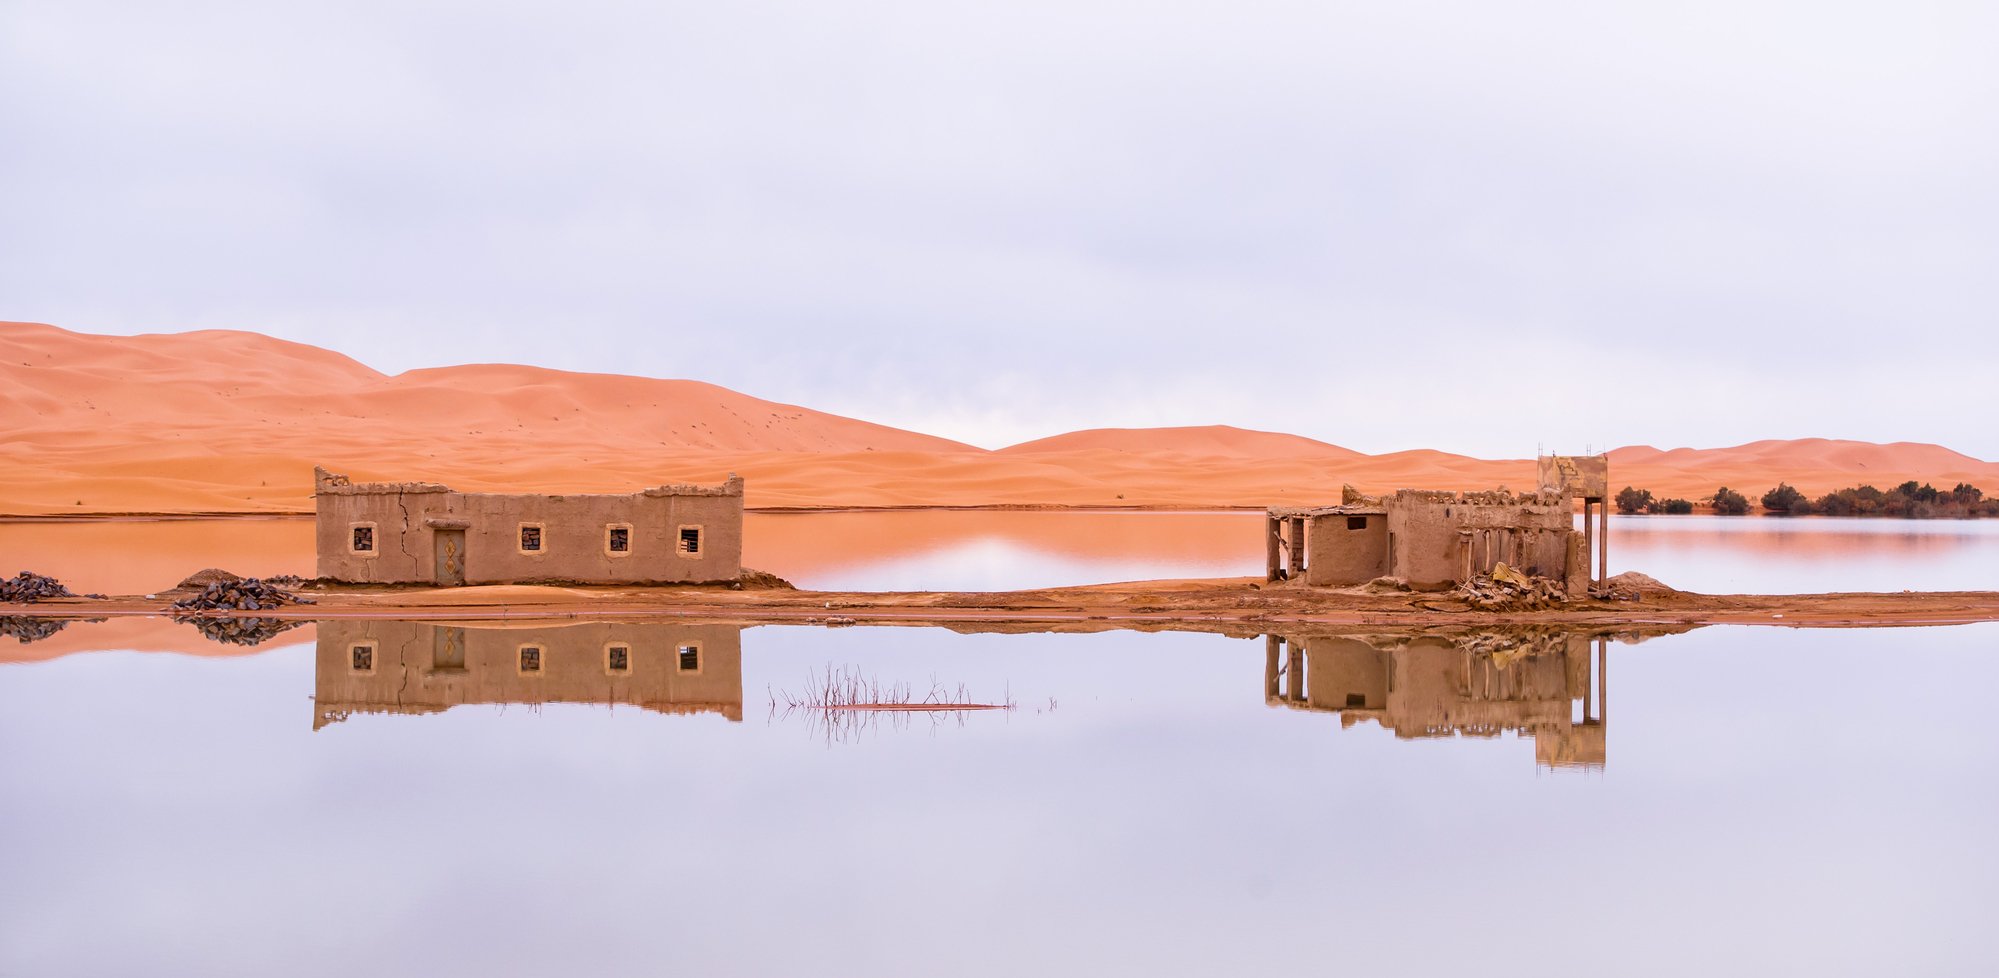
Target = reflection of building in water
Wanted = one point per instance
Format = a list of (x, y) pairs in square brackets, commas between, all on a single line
[(419, 667), (1475, 685)]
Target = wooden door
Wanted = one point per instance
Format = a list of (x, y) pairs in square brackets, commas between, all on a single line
[(450, 558)]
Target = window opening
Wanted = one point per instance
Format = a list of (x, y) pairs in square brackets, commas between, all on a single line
[(618, 658), (530, 659), (530, 538), (364, 539), (690, 540), (1356, 700), (690, 658), (621, 540), (364, 658), (1356, 522)]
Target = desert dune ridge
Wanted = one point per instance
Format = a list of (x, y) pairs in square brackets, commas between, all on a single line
[(233, 422)]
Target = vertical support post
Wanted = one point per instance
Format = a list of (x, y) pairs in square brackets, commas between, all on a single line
[(1270, 663), (1603, 538), (1297, 546), (1273, 570), (1602, 680), (1589, 684), (1589, 542), (1295, 674)]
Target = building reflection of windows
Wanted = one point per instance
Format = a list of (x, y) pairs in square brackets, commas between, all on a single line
[(422, 667)]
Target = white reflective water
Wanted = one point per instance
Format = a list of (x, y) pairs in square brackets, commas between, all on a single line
[(1815, 555), (1774, 801), (1010, 550)]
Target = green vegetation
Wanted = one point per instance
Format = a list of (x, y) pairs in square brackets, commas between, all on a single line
[(1728, 502), (1787, 501), (1909, 501), (1632, 501)]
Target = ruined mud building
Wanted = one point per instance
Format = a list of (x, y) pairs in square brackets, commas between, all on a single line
[(1434, 539), (425, 533)]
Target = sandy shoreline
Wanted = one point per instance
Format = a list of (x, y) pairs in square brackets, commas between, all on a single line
[(1235, 603)]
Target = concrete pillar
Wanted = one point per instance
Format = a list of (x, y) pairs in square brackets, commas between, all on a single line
[(1297, 546), (1273, 568)]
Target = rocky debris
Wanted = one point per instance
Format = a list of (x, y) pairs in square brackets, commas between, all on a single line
[(1506, 589), (29, 588), (30, 629), (238, 631), (753, 579), (244, 594), (203, 578), (1381, 585), (1628, 586), (216, 575)]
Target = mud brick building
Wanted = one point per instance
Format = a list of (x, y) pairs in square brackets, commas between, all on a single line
[(425, 533)]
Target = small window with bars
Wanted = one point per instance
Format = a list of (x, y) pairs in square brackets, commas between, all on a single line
[(530, 659), (364, 539), (689, 542), (618, 539), (531, 538), (361, 658), (690, 658), (618, 659)]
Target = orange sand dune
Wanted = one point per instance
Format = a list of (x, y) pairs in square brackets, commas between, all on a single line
[(219, 421), (1212, 441)]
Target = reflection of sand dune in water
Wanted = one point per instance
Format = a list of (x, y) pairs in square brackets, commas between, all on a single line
[(138, 634), (221, 421)]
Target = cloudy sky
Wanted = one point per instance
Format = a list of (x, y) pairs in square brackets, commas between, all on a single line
[(1478, 227)]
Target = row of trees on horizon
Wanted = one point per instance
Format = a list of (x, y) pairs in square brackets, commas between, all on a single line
[(1908, 501)]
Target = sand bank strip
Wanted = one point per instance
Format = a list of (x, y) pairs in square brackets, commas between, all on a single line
[(1233, 604)]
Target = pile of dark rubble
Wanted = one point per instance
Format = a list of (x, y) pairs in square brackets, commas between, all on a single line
[(28, 628), (1506, 589), (29, 588), (247, 594), (238, 631)]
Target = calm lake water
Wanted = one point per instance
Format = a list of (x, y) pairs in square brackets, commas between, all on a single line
[(979, 550), (1755, 801)]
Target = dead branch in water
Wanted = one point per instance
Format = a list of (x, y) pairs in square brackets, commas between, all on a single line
[(843, 704)]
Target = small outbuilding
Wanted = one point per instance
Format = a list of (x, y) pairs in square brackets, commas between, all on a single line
[(425, 533)]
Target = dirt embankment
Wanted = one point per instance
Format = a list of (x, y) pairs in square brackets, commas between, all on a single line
[(1235, 603)]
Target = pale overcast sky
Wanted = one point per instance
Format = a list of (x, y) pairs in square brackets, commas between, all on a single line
[(1477, 227)]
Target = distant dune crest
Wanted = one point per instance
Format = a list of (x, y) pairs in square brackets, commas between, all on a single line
[(222, 421)]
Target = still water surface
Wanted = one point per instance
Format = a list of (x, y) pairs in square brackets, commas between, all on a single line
[(1755, 801), (985, 551)]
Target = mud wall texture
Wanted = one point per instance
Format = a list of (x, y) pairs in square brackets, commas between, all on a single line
[(372, 666), (424, 533), (1345, 549), (1437, 536)]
